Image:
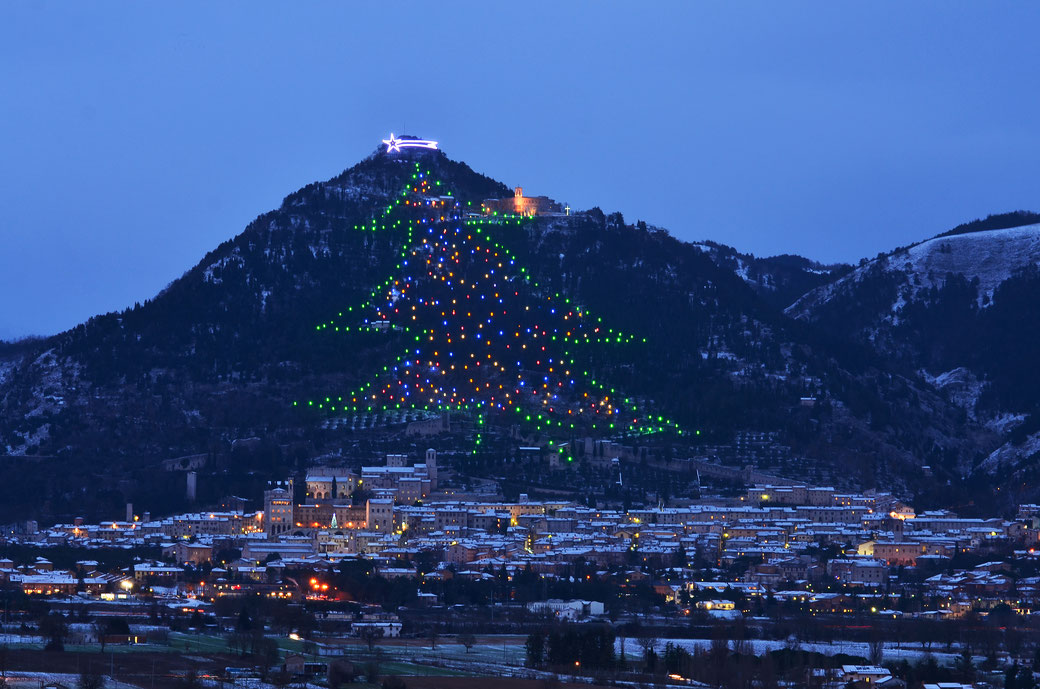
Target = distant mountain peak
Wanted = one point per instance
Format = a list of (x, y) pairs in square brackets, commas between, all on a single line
[(224, 350), (997, 221), (989, 256)]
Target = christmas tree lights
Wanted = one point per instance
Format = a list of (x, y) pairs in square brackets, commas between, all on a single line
[(481, 335)]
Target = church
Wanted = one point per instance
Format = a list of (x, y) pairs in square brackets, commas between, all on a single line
[(527, 206)]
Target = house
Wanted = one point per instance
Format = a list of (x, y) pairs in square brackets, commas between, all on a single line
[(869, 674), (567, 609), (297, 665), (184, 552), (391, 629)]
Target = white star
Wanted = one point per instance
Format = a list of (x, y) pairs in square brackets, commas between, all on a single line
[(392, 144)]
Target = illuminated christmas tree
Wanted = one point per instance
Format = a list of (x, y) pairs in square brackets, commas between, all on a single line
[(481, 335)]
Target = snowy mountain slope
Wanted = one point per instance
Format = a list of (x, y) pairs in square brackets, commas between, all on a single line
[(777, 279), (991, 257), (962, 310), (224, 351)]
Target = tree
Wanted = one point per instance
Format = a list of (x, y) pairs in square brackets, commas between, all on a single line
[(245, 622), (100, 632), (340, 672), (1011, 677), (267, 650), (280, 678), (370, 635), (372, 671), (467, 640), (535, 649), (1013, 640), (877, 650), (648, 642), (433, 635), (360, 496), (964, 667), (190, 680), (55, 629), (88, 679)]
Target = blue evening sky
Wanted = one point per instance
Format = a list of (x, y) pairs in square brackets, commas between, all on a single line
[(137, 136)]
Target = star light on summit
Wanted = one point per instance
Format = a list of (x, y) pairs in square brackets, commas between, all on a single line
[(394, 145)]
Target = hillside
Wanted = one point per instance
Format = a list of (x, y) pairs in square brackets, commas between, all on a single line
[(333, 322), (989, 256), (963, 310), (779, 280)]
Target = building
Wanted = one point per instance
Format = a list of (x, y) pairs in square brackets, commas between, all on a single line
[(519, 204), (858, 571), (379, 515), (567, 609), (406, 483), (863, 673), (329, 483), (195, 553), (431, 467), (278, 512), (386, 630)]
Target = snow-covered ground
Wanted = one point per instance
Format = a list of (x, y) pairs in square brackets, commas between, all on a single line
[(7, 368), (1007, 455), (911, 652), (961, 385), (33, 680), (990, 256)]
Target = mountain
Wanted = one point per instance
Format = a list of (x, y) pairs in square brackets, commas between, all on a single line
[(963, 311), (779, 280), (383, 303)]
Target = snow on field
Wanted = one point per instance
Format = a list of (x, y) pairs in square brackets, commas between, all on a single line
[(761, 646), (18, 679)]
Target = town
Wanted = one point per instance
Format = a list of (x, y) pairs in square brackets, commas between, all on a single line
[(394, 561)]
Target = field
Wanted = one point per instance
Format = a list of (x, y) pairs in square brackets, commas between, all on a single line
[(154, 666)]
